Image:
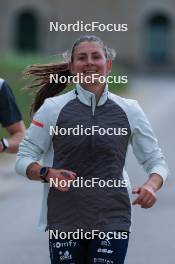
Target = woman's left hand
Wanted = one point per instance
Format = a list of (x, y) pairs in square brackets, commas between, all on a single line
[(146, 196)]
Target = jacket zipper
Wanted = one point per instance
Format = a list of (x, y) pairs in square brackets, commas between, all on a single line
[(93, 124)]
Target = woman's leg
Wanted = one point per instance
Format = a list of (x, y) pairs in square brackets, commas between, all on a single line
[(68, 251), (103, 251)]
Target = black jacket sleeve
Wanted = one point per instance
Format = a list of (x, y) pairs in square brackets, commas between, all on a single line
[(9, 111)]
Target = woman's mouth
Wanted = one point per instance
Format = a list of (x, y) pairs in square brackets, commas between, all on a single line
[(90, 71)]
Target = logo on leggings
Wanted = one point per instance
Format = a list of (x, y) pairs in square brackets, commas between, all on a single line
[(70, 243), (104, 250), (105, 242), (66, 255), (104, 261)]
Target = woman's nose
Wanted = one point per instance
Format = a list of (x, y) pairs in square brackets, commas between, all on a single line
[(89, 61)]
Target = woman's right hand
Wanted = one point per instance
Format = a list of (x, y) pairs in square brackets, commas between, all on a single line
[(60, 179)]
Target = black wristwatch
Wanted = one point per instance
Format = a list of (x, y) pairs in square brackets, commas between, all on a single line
[(5, 143), (43, 173)]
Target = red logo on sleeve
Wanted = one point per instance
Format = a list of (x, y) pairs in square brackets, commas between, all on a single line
[(36, 123)]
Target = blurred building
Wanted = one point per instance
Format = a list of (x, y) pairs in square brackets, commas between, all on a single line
[(147, 45)]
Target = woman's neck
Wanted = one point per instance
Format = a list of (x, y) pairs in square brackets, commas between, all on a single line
[(95, 89)]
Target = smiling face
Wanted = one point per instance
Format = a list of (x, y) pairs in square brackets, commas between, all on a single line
[(89, 58)]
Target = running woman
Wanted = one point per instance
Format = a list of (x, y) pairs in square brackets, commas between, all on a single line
[(91, 155)]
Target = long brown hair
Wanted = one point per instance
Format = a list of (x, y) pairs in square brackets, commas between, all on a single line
[(42, 72)]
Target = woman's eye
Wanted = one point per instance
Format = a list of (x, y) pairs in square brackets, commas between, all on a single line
[(81, 58), (96, 57)]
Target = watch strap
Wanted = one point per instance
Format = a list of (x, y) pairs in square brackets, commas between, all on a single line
[(4, 143)]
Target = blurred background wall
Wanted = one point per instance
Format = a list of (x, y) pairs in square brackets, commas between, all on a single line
[(149, 42)]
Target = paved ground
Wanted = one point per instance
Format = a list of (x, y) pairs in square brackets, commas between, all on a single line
[(153, 236)]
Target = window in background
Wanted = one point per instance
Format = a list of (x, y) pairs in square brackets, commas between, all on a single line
[(157, 42), (27, 32)]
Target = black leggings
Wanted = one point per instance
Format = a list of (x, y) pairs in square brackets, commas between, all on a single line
[(74, 251)]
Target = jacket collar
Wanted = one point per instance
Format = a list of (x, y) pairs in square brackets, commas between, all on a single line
[(88, 98)]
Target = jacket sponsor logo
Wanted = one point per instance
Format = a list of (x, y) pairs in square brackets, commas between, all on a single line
[(36, 123)]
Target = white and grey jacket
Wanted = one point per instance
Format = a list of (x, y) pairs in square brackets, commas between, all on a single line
[(90, 156)]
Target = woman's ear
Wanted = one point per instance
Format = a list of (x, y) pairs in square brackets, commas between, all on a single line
[(71, 68), (109, 66)]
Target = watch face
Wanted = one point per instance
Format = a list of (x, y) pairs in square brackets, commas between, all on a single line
[(43, 171)]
